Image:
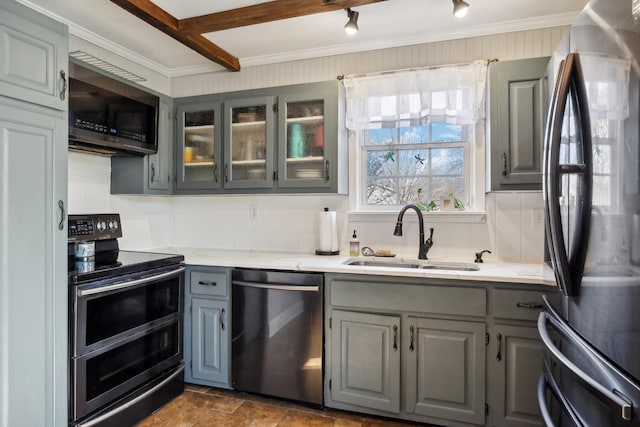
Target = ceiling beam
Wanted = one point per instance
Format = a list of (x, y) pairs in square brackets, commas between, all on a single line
[(168, 24), (263, 12)]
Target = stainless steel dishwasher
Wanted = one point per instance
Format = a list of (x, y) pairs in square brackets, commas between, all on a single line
[(277, 334)]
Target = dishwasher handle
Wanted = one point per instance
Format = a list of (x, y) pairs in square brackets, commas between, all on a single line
[(276, 286)]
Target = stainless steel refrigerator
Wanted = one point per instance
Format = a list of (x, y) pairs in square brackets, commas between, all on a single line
[(591, 327)]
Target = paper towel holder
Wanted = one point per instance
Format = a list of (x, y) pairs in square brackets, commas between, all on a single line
[(333, 247)]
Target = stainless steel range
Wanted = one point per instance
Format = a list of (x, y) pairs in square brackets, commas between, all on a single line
[(125, 322)]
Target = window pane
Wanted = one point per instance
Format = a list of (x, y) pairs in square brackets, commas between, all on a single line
[(414, 190), (413, 162), (601, 193), (381, 163), (414, 134), (602, 159), (444, 186), (381, 191), (446, 132), (447, 161)]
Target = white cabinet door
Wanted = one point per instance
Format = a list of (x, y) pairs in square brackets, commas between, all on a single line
[(365, 360), (33, 57), (209, 340), (445, 376), (33, 265)]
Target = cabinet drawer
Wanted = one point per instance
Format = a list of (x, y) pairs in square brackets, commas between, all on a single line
[(209, 283), (517, 304), (447, 300)]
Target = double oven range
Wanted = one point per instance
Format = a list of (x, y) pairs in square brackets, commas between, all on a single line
[(125, 326)]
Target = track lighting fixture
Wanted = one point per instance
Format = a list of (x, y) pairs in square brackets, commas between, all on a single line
[(351, 27), (460, 8)]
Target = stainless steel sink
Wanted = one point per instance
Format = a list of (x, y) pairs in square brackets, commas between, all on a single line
[(403, 263)]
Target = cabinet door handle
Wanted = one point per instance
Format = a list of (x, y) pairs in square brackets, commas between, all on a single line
[(504, 164), (153, 172), (215, 172), (395, 338), (207, 283), (226, 172), (326, 170), (499, 354), (530, 305), (63, 92), (411, 338), (63, 215), (222, 319)]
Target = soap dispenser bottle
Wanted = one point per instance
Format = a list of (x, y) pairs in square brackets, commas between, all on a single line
[(354, 245)]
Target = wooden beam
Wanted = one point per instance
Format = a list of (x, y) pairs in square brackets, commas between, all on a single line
[(263, 12), (168, 24)]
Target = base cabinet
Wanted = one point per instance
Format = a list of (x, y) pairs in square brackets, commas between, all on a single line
[(519, 361), (206, 331), (445, 375), (365, 360)]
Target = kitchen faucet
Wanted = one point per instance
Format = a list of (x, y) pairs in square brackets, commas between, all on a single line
[(424, 245)]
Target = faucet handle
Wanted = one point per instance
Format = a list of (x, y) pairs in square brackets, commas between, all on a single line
[(479, 255), (430, 233)]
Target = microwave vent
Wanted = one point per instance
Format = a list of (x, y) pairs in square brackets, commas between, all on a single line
[(105, 66)]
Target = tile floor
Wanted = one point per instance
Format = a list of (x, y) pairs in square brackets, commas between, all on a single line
[(203, 406)]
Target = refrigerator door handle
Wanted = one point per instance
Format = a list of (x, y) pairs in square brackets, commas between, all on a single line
[(568, 266), (547, 382), (613, 397)]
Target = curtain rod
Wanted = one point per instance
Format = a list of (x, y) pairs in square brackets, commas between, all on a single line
[(431, 67)]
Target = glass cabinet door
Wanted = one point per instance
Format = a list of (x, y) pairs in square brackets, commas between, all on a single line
[(198, 156), (303, 160), (249, 133)]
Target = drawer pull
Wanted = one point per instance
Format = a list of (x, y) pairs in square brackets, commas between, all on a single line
[(499, 355), (207, 283), (530, 305)]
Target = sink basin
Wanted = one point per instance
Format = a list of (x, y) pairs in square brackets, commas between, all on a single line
[(403, 263), (379, 263)]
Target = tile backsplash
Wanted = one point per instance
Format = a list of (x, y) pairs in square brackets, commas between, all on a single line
[(513, 229)]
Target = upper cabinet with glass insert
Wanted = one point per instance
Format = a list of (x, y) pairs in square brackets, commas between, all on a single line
[(199, 146), (274, 140), (248, 156)]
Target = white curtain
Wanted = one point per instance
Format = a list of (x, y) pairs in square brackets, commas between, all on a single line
[(452, 94)]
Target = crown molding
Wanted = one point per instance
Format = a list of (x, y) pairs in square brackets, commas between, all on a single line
[(347, 48)]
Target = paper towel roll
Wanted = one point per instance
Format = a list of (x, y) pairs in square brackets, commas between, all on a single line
[(327, 231)]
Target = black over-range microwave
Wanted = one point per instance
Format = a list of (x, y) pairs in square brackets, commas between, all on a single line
[(110, 117)]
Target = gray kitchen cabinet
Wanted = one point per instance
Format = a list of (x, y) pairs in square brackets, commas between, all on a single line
[(445, 375), (365, 360), (33, 232), (152, 173), (206, 327), (516, 357), (34, 57), (517, 107), (198, 155), (518, 361), (425, 338), (285, 139), (248, 142)]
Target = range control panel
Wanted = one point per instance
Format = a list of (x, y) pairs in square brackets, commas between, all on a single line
[(94, 227)]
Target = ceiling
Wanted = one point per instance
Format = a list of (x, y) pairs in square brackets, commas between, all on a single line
[(383, 24)]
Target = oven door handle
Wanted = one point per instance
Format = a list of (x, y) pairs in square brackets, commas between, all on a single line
[(132, 402), (129, 283), (277, 286)]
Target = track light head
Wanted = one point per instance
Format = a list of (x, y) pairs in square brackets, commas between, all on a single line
[(460, 8), (351, 27)]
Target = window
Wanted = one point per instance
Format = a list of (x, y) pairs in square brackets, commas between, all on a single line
[(414, 135)]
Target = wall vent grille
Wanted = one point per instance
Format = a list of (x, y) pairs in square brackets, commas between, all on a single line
[(105, 66)]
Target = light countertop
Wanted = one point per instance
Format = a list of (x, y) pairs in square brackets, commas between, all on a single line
[(536, 274)]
